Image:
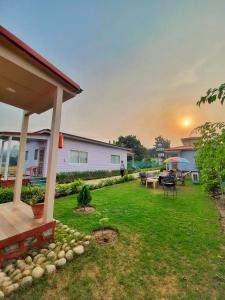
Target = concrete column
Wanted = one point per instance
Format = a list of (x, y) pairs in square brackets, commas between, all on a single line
[(1, 155), (7, 158), (21, 158), (52, 157)]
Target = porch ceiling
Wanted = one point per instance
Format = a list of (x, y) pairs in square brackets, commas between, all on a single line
[(27, 80)]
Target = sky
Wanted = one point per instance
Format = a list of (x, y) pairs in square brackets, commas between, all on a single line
[(142, 64)]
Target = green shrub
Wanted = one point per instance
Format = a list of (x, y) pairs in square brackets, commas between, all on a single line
[(84, 196), (29, 192), (66, 177)]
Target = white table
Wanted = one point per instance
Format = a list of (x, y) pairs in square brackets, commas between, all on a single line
[(154, 181)]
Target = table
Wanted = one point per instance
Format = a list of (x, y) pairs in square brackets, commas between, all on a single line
[(154, 181)]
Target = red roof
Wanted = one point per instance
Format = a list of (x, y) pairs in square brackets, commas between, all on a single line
[(172, 149), (20, 44)]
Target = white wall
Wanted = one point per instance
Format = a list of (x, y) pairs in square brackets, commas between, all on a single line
[(99, 157), (31, 146)]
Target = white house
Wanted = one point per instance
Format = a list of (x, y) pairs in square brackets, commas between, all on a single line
[(187, 151), (77, 154)]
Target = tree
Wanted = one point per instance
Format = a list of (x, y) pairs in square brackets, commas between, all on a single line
[(213, 94), (210, 157), (165, 143), (131, 141)]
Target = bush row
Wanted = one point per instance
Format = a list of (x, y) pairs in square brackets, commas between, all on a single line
[(6, 194), (67, 177)]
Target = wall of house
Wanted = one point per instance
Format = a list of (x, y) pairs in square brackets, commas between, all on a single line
[(31, 162), (189, 155), (99, 157)]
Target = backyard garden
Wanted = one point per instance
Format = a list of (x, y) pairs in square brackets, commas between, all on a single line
[(166, 248)]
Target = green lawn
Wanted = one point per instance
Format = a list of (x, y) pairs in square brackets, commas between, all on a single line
[(167, 248)]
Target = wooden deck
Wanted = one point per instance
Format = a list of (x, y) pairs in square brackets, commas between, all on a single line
[(16, 219)]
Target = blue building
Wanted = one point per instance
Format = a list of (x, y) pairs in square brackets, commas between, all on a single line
[(187, 151)]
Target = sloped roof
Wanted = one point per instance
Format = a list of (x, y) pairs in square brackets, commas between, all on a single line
[(180, 148)]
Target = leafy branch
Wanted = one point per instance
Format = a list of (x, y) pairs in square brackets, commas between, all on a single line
[(213, 94)]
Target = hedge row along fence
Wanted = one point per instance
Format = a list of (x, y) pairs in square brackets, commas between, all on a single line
[(65, 189), (67, 177)]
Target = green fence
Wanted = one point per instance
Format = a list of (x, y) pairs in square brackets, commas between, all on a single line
[(142, 164)]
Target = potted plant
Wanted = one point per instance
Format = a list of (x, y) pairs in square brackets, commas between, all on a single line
[(37, 204)]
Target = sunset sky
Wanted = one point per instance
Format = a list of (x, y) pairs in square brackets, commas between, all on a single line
[(142, 64)]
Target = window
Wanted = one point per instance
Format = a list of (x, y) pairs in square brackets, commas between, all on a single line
[(77, 157), (26, 155), (115, 159), (35, 154)]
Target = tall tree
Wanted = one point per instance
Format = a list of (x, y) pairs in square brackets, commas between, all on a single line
[(159, 140), (131, 141), (213, 94)]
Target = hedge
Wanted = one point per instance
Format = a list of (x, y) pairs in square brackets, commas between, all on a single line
[(6, 194), (67, 177)]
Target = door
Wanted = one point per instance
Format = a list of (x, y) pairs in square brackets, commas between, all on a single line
[(41, 161)]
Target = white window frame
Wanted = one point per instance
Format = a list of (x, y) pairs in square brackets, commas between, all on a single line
[(79, 157), (115, 155)]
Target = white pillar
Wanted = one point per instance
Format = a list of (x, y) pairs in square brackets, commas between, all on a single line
[(52, 157), (7, 158), (21, 158), (1, 155)]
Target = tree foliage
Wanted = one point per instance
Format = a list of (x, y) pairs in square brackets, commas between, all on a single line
[(213, 94), (210, 157), (131, 141), (84, 196), (163, 141)]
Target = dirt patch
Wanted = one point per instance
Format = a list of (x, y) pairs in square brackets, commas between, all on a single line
[(85, 210), (166, 287), (105, 236)]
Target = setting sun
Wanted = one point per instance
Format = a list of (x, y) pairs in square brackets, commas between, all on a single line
[(186, 122)]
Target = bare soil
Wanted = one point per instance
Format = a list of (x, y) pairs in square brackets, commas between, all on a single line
[(85, 210), (105, 236)]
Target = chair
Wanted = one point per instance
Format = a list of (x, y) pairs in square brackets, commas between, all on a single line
[(143, 177), (169, 185)]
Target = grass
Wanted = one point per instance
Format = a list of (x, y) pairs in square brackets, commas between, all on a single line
[(167, 248)]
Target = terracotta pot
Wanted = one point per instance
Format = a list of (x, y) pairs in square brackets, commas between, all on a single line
[(38, 210)]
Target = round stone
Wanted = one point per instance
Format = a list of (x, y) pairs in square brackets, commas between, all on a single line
[(16, 272), (28, 260), (72, 242), (40, 260), (26, 281), (77, 234), (17, 278), (61, 254), (37, 257), (44, 251), (50, 269), (60, 262), (2, 274), (11, 288), (51, 255), (8, 268), (26, 273), (37, 272), (1, 295), (88, 237), (69, 255), (86, 243), (78, 249), (51, 246)]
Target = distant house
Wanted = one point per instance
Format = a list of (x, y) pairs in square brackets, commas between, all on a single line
[(187, 150), (78, 153)]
